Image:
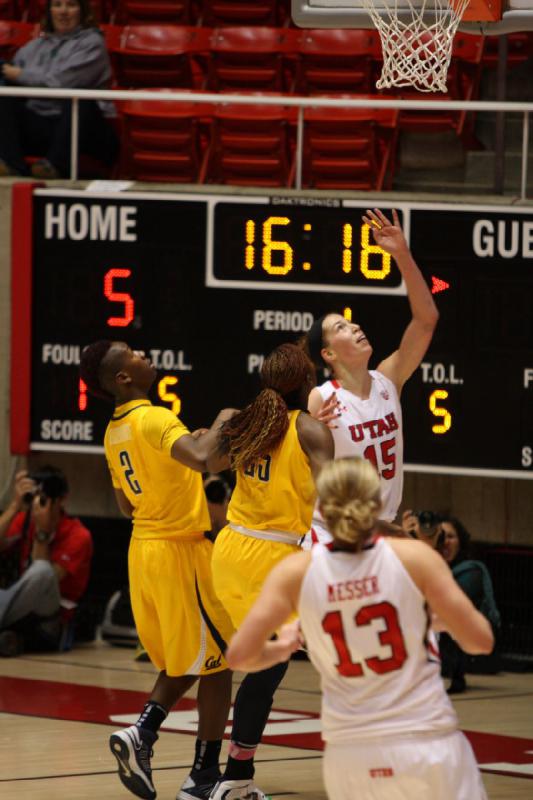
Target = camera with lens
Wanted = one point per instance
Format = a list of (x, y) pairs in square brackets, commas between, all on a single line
[(428, 521), (429, 524), (50, 484), (216, 490)]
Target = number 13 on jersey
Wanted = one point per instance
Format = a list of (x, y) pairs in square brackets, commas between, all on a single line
[(389, 636)]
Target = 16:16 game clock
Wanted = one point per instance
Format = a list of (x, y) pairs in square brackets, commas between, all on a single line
[(208, 285), (298, 248)]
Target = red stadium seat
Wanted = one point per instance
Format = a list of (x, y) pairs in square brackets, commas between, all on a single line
[(349, 148), (34, 11), (142, 12), (163, 141), (14, 35), (250, 57), (464, 76), (112, 35), (159, 56), (240, 12), (251, 146), (10, 9), (519, 49), (336, 61)]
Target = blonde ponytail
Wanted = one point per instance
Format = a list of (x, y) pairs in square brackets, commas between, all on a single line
[(348, 492)]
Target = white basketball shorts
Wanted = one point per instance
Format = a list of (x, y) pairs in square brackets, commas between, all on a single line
[(432, 767)]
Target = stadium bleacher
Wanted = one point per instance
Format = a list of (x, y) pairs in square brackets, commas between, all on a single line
[(245, 46)]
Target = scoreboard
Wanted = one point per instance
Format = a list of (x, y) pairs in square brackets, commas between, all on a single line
[(210, 284)]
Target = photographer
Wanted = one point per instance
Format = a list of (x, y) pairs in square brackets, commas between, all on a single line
[(450, 538), (423, 525), (475, 581), (53, 560)]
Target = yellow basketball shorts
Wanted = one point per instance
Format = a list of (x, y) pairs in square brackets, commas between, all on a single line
[(179, 619), (240, 566)]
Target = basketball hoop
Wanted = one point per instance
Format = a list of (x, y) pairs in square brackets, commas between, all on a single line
[(416, 39)]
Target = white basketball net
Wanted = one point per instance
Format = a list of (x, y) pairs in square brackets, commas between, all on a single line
[(417, 46)]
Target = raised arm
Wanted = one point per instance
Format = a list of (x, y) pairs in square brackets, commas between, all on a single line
[(401, 364), (23, 485), (250, 649)]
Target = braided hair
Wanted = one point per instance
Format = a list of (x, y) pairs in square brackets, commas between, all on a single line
[(260, 427), (90, 367)]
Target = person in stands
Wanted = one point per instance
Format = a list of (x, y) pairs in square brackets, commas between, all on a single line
[(70, 53)]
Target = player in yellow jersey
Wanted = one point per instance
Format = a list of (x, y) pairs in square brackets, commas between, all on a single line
[(153, 460), (277, 450)]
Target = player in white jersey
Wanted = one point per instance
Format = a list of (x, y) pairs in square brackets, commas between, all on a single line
[(390, 730), (369, 424)]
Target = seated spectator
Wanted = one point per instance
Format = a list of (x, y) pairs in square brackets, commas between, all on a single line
[(70, 53), (54, 553), (474, 579)]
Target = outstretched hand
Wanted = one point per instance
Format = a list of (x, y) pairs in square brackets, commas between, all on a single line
[(387, 235), (328, 411)]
